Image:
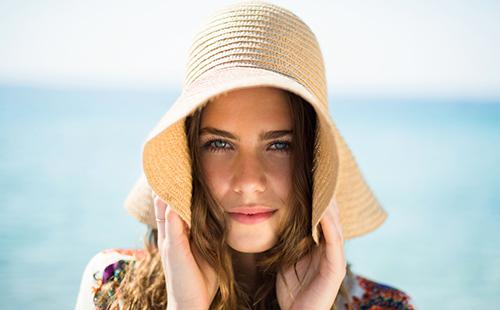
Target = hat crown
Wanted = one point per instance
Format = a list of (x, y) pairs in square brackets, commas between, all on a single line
[(259, 35), (251, 44)]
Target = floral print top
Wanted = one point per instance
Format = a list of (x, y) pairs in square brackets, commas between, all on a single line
[(108, 266)]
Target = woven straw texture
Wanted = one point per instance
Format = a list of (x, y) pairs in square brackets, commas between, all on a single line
[(248, 44)]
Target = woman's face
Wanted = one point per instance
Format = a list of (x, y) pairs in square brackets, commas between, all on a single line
[(246, 140)]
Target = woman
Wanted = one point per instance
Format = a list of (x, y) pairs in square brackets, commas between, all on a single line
[(253, 188)]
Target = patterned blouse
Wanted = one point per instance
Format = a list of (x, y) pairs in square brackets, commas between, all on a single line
[(108, 266)]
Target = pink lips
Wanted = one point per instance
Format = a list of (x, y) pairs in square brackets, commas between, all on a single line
[(251, 218), (251, 215)]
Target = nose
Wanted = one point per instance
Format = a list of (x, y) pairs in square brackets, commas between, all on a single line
[(249, 174)]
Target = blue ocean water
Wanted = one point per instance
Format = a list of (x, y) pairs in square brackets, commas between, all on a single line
[(69, 157)]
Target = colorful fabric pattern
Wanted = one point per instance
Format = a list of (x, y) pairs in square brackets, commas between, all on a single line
[(366, 294), (377, 296), (113, 273)]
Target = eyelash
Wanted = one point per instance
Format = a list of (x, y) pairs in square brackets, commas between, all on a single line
[(209, 147)]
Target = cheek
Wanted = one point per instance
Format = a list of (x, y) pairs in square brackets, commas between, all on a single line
[(280, 177), (217, 174)]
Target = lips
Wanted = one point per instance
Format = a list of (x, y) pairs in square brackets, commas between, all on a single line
[(251, 210), (254, 218)]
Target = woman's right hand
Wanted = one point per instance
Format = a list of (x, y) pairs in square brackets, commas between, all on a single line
[(191, 281)]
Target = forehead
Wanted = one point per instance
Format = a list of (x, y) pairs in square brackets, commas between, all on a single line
[(256, 105)]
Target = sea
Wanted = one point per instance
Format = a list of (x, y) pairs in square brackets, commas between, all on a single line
[(68, 158)]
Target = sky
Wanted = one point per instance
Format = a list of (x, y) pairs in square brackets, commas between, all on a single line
[(424, 48)]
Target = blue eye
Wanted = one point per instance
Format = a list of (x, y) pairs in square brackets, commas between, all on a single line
[(218, 145), (281, 146)]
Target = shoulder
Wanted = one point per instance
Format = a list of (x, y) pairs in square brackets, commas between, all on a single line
[(368, 294), (100, 268)]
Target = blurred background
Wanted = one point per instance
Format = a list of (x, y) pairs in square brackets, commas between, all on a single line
[(414, 88)]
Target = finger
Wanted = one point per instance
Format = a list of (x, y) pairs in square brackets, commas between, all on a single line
[(330, 233), (331, 227), (334, 243), (342, 263), (159, 207), (171, 228), (336, 217), (175, 232)]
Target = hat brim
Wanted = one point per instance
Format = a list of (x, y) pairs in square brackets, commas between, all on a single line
[(167, 164)]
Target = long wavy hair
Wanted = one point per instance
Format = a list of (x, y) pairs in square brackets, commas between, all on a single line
[(144, 285)]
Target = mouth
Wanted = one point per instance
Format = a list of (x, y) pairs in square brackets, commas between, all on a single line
[(252, 210), (252, 218)]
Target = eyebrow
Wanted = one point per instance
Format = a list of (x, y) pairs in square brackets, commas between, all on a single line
[(273, 134)]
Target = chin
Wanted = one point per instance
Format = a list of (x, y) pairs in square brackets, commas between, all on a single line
[(251, 246)]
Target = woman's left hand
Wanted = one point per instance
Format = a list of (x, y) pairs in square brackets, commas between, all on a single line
[(322, 271)]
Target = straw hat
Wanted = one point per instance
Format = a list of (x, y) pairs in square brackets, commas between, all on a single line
[(249, 44)]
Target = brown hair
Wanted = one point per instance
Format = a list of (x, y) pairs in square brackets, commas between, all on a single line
[(143, 286)]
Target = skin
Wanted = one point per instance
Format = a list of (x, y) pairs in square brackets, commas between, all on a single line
[(247, 168), (243, 167)]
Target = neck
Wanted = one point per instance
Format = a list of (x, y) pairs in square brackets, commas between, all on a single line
[(245, 270)]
